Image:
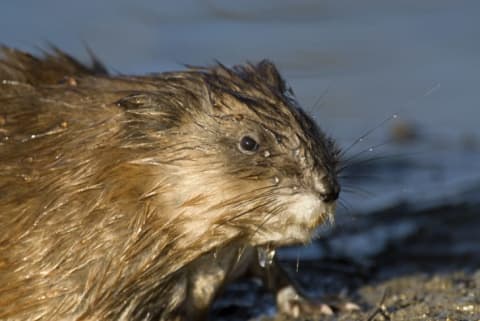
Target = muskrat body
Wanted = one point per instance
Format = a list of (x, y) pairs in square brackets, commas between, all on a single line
[(139, 198)]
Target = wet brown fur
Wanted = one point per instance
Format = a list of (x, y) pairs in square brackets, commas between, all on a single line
[(111, 187)]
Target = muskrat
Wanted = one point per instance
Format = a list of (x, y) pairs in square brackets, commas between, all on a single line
[(140, 197)]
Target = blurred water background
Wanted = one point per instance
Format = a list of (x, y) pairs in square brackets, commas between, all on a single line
[(352, 64)]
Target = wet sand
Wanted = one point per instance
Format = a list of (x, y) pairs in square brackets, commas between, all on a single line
[(447, 297)]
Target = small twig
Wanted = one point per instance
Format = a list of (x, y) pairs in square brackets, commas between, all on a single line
[(381, 309)]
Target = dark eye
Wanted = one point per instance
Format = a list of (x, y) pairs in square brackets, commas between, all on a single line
[(248, 145)]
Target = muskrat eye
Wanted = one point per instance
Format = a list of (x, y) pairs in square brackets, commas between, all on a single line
[(248, 145)]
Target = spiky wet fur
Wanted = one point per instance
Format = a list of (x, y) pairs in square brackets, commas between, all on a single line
[(111, 187)]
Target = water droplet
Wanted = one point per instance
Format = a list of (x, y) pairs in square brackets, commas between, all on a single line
[(265, 256), (215, 254), (241, 250), (266, 153), (276, 180), (33, 136), (295, 188), (370, 149), (395, 116)]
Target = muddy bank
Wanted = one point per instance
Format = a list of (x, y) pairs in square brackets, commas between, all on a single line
[(431, 271), (447, 297)]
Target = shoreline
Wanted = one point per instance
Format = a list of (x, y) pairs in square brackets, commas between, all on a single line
[(432, 273)]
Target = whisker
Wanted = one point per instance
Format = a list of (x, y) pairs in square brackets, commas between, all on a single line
[(376, 158), (317, 102), (348, 177), (297, 266), (270, 215), (246, 198), (239, 215), (366, 150), (266, 195), (358, 191), (343, 204), (430, 91), (365, 134)]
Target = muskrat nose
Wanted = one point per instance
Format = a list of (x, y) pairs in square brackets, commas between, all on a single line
[(331, 195), (328, 189)]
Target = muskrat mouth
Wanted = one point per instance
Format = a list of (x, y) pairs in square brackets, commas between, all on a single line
[(328, 215), (266, 253), (323, 214), (297, 227)]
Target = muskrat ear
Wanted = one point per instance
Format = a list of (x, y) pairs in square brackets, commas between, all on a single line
[(149, 109), (269, 72)]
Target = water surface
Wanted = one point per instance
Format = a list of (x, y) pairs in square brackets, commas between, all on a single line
[(352, 64)]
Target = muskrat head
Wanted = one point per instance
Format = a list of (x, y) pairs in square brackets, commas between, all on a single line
[(281, 166), (246, 161)]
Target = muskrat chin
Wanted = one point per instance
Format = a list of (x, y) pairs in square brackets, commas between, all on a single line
[(304, 214)]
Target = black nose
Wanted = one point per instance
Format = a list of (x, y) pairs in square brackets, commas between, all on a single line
[(331, 190)]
